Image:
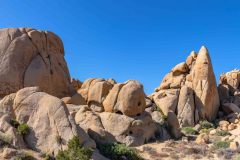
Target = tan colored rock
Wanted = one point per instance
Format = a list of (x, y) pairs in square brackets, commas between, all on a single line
[(173, 124), (97, 93), (186, 108), (205, 87), (167, 100), (231, 127), (76, 84), (191, 59), (49, 120), (131, 99), (234, 146), (202, 138), (213, 132), (111, 99), (107, 127), (231, 78), (33, 58), (83, 91), (180, 69), (76, 99)]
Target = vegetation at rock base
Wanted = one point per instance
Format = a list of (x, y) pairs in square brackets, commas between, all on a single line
[(221, 144), (222, 133), (188, 130), (115, 151), (205, 130), (75, 151), (206, 125), (23, 129)]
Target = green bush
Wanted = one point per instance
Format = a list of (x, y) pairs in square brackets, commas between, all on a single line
[(188, 130), (23, 129), (221, 144), (206, 125), (115, 151), (222, 133), (75, 151)]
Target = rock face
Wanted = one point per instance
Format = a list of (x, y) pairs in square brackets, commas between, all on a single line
[(189, 90), (51, 126), (32, 58), (108, 127), (229, 91), (204, 86), (127, 98), (106, 95)]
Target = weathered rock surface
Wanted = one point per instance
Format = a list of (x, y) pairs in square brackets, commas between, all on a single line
[(229, 89), (51, 125), (31, 57), (189, 90), (205, 87), (112, 127)]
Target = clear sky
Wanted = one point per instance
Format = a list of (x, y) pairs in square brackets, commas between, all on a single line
[(133, 39)]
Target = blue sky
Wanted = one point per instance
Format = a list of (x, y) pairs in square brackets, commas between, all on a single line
[(133, 39)]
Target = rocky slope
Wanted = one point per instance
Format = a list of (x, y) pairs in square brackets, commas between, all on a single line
[(44, 114)]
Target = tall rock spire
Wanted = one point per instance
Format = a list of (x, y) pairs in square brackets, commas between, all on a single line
[(205, 87)]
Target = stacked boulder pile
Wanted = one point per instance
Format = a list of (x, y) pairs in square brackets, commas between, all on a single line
[(189, 92), (229, 91), (115, 112)]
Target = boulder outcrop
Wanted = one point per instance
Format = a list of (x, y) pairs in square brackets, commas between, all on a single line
[(229, 91), (31, 57), (189, 90), (107, 127), (51, 126)]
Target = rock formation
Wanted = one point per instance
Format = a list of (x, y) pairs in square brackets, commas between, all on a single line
[(47, 117), (115, 112), (229, 91), (189, 90), (31, 57)]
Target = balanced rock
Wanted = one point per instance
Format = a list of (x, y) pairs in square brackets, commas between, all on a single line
[(31, 57)]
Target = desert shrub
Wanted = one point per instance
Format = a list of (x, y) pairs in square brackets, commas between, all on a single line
[(222, 133), (221, 144), (189, 130), (115, 151), (205, 130), (75, 151), (206, 125), (23, 129)]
